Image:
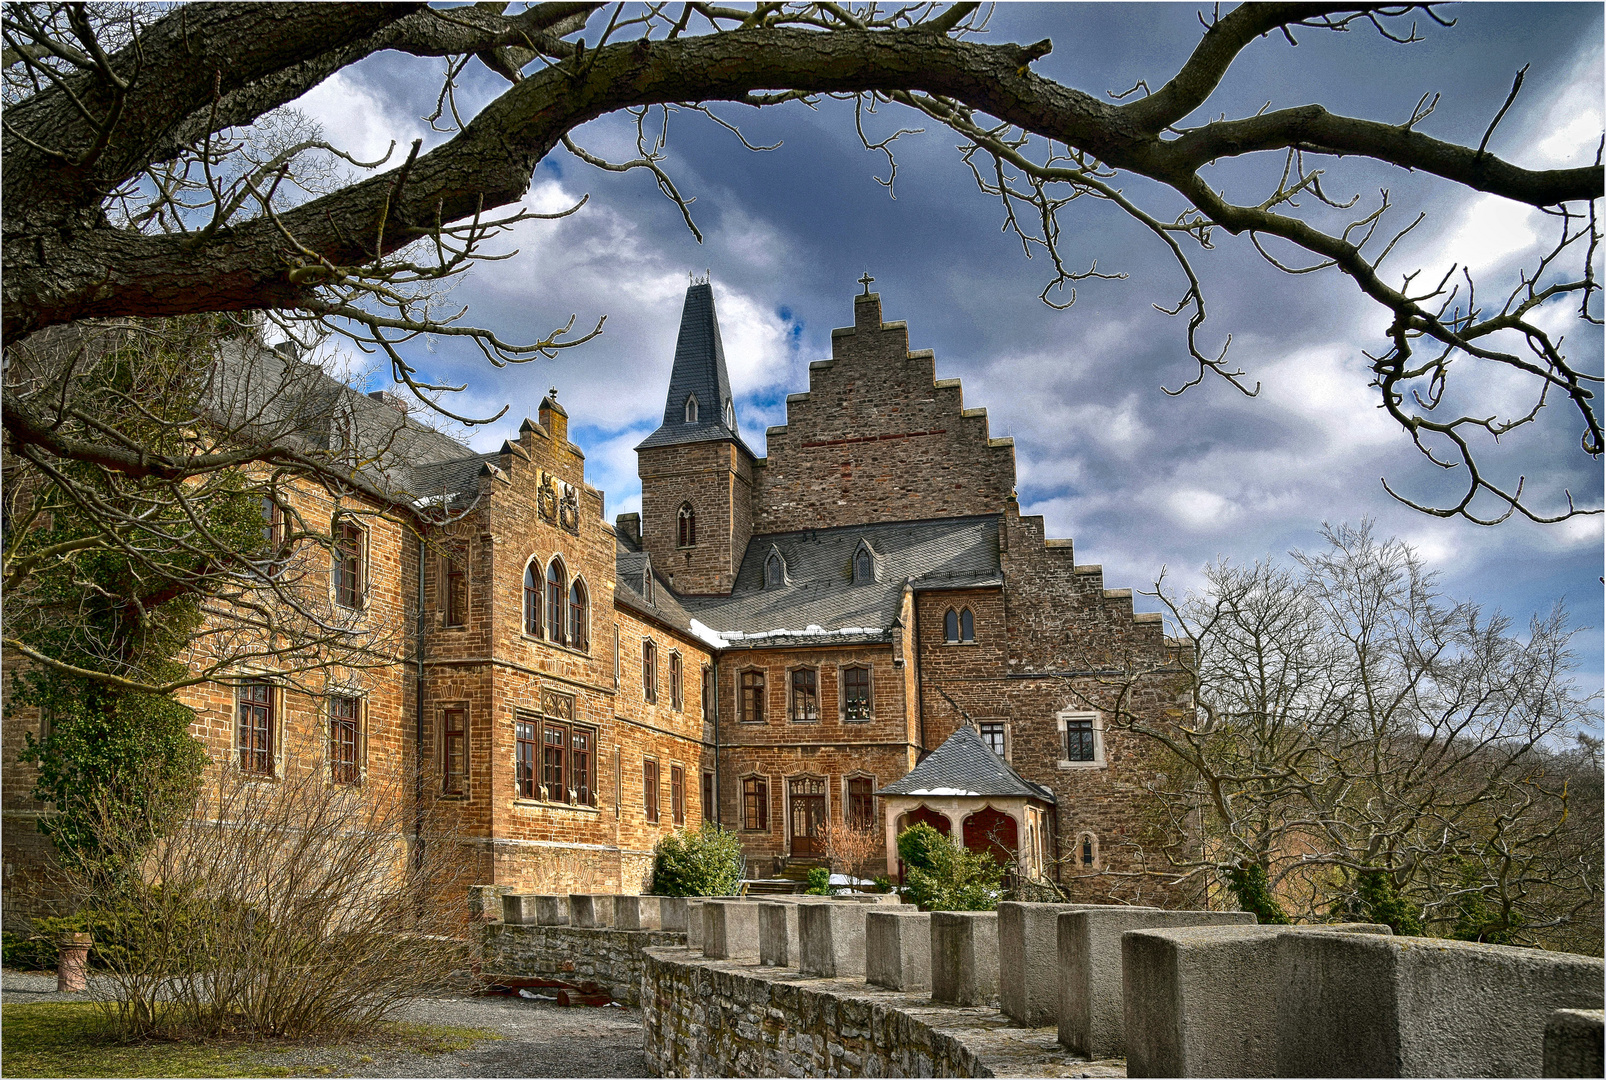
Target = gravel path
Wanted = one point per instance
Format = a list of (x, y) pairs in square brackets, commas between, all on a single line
[(538, 1038)]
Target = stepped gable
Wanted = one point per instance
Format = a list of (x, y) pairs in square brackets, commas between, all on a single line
[(964, 765), (820, 590), (878, 438), (699, 372)]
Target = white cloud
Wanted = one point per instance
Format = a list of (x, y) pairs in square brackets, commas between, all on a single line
[(358, 120)]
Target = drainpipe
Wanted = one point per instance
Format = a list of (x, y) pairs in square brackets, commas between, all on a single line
[(920, 693), (718, 816)]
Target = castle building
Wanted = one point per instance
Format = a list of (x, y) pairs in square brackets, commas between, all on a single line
[(773, 643)]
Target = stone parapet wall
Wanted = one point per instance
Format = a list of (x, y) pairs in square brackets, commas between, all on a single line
[(614, 959), (729, 1018)]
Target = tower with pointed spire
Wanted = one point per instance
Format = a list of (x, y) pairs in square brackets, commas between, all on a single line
[(696, 472)]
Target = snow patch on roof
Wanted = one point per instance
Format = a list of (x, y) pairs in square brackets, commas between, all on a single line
[(707, 634), (812, 630), (941, 791)]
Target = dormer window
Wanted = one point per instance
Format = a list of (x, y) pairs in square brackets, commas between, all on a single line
[(863, 565), (646, 584), (691, 409), (730, 415), (774, 571)]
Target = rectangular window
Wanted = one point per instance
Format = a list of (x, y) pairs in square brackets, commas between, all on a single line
[(454, 752), (454, 572), (350, 555), (861, 802), (708, 797), (856, 693), (676, 690), (581, 765), (649, 789), (805, 694), (649, 670), (255, 733), (755, 804), (992, 733), (753, 697), (524, 758), (1079, 739), (344, 746), (677, 793), (554, 762), (708, 693)]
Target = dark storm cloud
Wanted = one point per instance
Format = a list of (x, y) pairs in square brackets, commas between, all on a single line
[(1139, 479)]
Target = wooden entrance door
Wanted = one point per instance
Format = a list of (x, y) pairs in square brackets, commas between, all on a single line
[(807, 797)]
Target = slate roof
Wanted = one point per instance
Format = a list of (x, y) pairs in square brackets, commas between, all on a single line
[(964, 765), (631, 565), (821, 593), (699, 369)]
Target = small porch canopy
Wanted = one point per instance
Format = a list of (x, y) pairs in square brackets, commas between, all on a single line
[(975, 798)]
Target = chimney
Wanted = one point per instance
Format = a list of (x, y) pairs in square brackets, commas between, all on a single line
[(628, 528), (394, 400)]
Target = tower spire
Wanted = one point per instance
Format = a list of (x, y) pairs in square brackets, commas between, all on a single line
[(699, 406)]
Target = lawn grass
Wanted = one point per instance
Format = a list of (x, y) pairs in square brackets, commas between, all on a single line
[(72, 1039)]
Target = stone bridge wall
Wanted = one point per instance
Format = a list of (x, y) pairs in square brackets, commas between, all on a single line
[(615, 959)]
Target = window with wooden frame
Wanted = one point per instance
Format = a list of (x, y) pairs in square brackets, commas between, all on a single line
[(532, 600), (755, 804), (273, 535), (861, 802), (557, 593), (677, 794), (996, 735), (709, 801), (454, 584), (454, 752), (345, 740), (752, 697), (805, 697), (525, 732), (254, 728), (677, 692), (568, 763), (856, 694), (350, 562), (686, 526), (708, 693), (649, 789), (579, 617), (1079, 738), (649, 670)]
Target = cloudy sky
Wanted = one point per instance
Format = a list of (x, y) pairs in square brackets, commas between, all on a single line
[(1141, 480)]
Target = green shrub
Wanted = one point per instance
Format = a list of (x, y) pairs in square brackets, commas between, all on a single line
[(707, 862), (1248, 883), (883, 884), (29, 952), (1376, 900), (819, 882), (941, 877)]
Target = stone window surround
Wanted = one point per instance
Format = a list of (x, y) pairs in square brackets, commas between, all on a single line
[(859, 774), (540, 579), (360, 696), (1098, 761), (842, 690), (741, 812), (1076, 851), (819, 713), (445, 565), (537, 803), (677, 681), (959, 626), (686, 526), (1009, 734), (741, 716), (276, 705), (365, 592), (657, 789), (442, 708)]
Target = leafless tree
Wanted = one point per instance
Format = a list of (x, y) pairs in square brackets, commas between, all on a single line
[(853, 849), (1352, 721), (152, 171)]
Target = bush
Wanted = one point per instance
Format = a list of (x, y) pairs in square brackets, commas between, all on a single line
[(1248, 884), (819, 882), (707, 862), (941, 877), (29, 952), (883, 884)]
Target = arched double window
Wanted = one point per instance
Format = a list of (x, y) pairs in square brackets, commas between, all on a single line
[(686, 532), (958, 627), (532, 599), (579, 617), (691, 409), (557, 591)]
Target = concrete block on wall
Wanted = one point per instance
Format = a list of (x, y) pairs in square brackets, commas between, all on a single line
[(1091, 1019), (730, 930), (518, 909), (1028, 961), (694, 924), (593, 910), (897, 948), (638, 913), (964, 957), (1574, 1043), (672, 913), (777, 934), (552, 910), (831, 939)]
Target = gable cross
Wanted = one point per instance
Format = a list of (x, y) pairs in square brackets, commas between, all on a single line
[(865, 281)]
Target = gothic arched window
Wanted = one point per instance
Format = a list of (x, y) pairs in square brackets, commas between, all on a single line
[(646, 583), (958, 627), (863, 567), (532, 601), (686, 532), (774, 571), (967, 626), (579, 635), (691, 409), (730, 415), (557, 591)]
